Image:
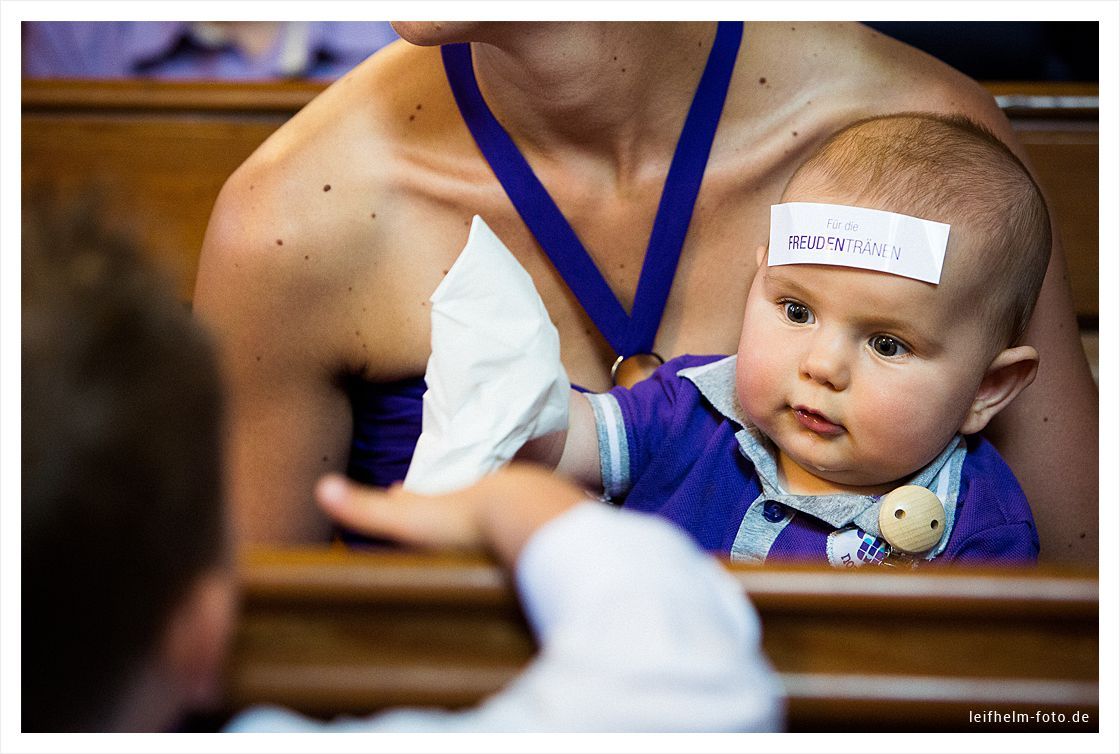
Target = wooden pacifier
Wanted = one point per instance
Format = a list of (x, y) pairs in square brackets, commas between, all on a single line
[(911, 519)]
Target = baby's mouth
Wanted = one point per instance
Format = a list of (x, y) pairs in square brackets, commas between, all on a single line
[(817, 422)]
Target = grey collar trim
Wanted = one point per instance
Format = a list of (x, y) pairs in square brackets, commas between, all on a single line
[(716, 383)]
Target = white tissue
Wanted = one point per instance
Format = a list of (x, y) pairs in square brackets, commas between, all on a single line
[(495, 380)]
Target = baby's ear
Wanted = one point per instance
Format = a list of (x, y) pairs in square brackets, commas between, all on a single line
[(1009, 373)]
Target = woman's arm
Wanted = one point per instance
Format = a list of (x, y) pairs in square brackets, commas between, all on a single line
[(288, 421), (1049, 434)]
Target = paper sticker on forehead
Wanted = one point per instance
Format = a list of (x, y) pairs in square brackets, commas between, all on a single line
[(866, 239)]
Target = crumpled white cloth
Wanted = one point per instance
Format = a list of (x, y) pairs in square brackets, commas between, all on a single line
[(495, 380)]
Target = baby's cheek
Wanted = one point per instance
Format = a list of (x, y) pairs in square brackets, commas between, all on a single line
[(756, 386), (746, 379), (904, 425)]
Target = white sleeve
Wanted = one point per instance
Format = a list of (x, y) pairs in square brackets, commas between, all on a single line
[(639, 631)]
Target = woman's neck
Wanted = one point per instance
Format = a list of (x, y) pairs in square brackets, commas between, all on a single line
[(618, 91)]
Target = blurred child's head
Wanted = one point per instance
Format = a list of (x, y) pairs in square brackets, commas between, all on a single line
[(862, 377), (127, 595)]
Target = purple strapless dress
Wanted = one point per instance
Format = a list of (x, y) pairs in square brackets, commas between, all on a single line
[(387, 420)]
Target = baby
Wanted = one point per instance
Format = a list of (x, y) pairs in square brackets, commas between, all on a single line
[(863, 367)]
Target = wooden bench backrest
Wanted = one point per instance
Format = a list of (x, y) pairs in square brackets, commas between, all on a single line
[(157, 153), (331, 631), (154, 155)]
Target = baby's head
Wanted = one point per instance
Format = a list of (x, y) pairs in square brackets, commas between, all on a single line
[(862, 377)]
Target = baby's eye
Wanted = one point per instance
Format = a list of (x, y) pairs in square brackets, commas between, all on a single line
[(798, 313), (885, 345)]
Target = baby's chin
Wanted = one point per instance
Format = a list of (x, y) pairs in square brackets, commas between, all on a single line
[(865, 485), (846, 480)]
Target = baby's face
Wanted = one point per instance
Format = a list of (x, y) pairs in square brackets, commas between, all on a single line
[(860, 378)]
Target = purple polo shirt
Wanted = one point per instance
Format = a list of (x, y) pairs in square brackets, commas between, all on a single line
[(175, 50), (677, 445)]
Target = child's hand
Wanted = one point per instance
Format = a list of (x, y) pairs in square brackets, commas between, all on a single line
[(500, 512), (447, 521)]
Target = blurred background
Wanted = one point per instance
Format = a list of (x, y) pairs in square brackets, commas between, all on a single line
[(247, 50), (1004, 50), (229, 50)]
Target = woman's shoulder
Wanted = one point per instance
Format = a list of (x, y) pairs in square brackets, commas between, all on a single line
[(848, 71), (324, 218), (342, 182)]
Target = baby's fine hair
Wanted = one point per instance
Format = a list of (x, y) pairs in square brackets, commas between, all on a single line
[(951, 170)]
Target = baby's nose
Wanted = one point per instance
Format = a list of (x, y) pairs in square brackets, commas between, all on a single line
[(825, 361)]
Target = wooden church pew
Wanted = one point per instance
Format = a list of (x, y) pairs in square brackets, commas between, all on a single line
[(331, 631), (154, 155)]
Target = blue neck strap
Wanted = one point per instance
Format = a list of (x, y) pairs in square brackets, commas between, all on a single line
[(635, 333)]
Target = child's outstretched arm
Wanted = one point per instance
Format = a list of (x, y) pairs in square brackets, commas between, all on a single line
[(639, 629), (499, 513)]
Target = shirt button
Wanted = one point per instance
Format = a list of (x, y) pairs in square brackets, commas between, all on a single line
[(773, 511)]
